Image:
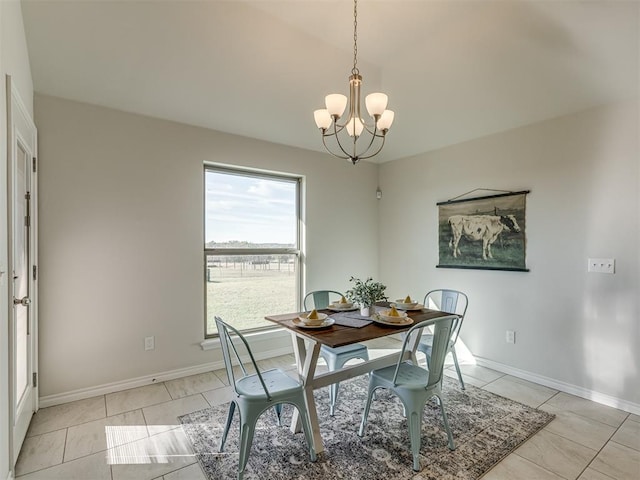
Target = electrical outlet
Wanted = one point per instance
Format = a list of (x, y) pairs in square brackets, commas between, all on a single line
[(510, 336), (149, 343), (601, 265)]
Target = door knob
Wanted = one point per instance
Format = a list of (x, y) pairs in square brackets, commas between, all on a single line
[(24, 301)]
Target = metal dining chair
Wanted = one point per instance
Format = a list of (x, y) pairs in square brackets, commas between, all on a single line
[(415, 385), (255, 393), (335, 357), (450, 301)]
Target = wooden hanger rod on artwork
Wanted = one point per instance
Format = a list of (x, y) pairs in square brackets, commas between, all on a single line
[(503, 193)]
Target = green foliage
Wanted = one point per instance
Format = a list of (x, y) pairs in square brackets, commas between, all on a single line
[(508, 251), (367, 292)]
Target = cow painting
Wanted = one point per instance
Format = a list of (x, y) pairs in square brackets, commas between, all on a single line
[(480, 227)]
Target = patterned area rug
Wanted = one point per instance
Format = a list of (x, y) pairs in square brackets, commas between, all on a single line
[(485, 426)]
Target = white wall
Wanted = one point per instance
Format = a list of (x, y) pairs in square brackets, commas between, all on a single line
[(14, 61), (573, 327), (121, 237)]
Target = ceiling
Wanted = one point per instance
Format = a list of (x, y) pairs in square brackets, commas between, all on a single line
[(453, 69)]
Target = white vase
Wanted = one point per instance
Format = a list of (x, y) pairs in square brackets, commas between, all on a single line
[(365, 311)]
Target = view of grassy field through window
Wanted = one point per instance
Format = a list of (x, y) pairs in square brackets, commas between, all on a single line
[(242, 290), (251, 247)]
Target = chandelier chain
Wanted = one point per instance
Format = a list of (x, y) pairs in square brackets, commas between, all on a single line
[(355, 70)]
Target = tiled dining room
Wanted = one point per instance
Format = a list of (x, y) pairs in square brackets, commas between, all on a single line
[(585, 440), (337, 239)]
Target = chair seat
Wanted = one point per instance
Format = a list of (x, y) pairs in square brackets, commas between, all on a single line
[(344, 350), (410, 377), (277, 382)]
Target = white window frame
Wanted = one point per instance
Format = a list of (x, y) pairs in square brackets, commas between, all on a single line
[(296, 250)]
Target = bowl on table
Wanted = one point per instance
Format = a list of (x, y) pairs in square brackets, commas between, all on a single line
[(341, 305), (313, 321), (385, 315), (402, 305)]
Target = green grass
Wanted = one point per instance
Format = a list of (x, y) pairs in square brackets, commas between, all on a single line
[(508, 251), (244, 296)]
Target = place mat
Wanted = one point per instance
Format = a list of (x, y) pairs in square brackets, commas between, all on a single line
[(485, 427), (351, 319)]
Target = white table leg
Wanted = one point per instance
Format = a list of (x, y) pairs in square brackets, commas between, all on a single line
[(307, 361), (300, 352), (412, 345)]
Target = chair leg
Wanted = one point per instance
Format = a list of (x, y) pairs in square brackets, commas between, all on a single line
[(306, 427), (246, 438), (367, 406), (455, 362), (446, 424), (333, 365), (333, 397), (414, 419), (232, 408), (278, 409)]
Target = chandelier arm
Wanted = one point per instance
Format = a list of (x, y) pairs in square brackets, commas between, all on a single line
[(335, 133), (326, 147), (374, 125), (377, 151), (373, 137), (342, 148)]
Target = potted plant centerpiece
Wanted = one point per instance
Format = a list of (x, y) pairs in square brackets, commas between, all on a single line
[(366, 293)]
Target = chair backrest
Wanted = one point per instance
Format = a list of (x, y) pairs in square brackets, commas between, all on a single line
[(441, 334), (229, 342), (319, 299), (450, 301)]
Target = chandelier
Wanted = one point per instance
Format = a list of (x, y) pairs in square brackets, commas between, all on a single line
[(343, 136)]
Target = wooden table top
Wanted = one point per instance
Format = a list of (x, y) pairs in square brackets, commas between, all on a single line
[(339, 335)]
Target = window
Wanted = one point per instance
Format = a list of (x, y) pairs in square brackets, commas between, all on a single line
[(251, 249)]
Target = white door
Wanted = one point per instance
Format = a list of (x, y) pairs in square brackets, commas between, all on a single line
[(23, 334)]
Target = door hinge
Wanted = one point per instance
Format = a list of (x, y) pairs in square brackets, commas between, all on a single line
[(35, 272), (34, 164), (35, 379), (27, 221)]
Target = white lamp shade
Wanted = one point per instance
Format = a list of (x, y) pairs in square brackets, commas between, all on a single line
[(336, 103), (355, 124), (386, 120), (376, 103), (323, 119)]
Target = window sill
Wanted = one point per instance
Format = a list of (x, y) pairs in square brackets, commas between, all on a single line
[(214, 343)]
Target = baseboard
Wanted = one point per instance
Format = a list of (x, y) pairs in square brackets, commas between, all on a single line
[(582, 392), (83, 393)]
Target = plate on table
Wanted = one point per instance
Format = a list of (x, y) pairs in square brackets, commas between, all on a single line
[(403, 323), (326, 323), (417, 306), (337, 308)]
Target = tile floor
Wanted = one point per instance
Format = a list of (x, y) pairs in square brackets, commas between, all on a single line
[(135, 434)]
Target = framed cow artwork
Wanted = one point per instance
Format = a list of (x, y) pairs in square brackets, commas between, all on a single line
[(486, 233)]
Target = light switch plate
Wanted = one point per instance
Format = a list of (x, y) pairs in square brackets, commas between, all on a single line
[(601, 265)]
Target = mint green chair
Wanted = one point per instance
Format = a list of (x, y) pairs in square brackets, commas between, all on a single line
[(415, 385), (256, 393), (450, 301), (335, 357)]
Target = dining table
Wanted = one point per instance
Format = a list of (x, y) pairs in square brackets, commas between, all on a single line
[(345, 330)]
